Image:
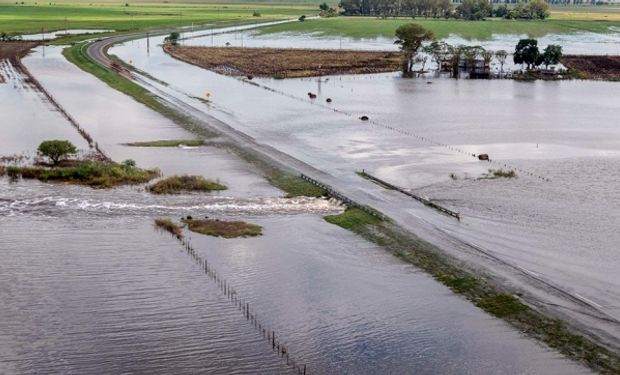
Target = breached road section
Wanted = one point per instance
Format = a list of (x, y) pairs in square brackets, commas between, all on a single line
[(537, 292)]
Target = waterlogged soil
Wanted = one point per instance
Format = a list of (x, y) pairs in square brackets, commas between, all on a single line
[(594, 67), (286, 63)]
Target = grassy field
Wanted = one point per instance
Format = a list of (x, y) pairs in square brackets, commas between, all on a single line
[(31, 18), (565, 20)]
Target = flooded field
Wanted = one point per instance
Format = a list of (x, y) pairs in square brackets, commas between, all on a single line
[(102, 289), (98, 287), (555, 221)]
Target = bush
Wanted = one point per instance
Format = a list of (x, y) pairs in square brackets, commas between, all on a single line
[(256, 14)]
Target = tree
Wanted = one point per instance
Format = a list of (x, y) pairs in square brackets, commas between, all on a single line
[(552, 55), (487, 56), (173, 38), (410, 37), (302, 18), (474, 9), (56, 150), (501, 57), (526, 52), (537, 9), (323, 6), (437, 51)]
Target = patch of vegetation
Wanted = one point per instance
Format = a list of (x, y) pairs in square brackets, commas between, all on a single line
[(483, 292), (498, 173), (226, 229), (170, 227), (2, 170), (501, 305), (185, 183), (293, 186), (168, 143), (31, 18), (352, 218), (93, 174)]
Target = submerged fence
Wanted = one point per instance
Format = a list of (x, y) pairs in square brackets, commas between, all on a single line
[(39, 87), (267, 333), (370, 121)]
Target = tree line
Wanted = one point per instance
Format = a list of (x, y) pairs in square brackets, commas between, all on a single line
[(411, 38), (467, 9)]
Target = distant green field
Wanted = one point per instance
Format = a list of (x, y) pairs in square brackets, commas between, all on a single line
[(369, 27), (31, 18)]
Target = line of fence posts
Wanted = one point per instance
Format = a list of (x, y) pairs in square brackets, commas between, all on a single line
[(244, 307)]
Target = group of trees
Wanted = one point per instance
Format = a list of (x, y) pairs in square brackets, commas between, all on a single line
[(527, 52), (4, 37), (467, 9), (411, 38)]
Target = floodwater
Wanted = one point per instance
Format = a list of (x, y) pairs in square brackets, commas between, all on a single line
[(584, 43), (89, 286), (60, 33), (557, 221)]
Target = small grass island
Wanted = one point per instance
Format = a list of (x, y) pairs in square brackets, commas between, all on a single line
[(221, 228), (184, 184)]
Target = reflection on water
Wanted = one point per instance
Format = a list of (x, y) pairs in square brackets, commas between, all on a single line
[(534, 126), (92, 289)]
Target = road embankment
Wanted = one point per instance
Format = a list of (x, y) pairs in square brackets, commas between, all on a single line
[(284, 62)]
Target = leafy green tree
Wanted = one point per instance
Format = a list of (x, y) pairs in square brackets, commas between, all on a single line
[(526, 52), (410, 37), (302, 18), (474, 9), (437, 50), (552, 55), (323, 6), (536, 10), (56, 150)]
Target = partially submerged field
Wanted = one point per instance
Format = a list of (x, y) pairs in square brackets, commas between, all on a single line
[(594, 67), (372, 27), (285, 63)]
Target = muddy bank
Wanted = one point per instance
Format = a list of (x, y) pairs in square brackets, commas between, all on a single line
[(605, 68), (286, 63)]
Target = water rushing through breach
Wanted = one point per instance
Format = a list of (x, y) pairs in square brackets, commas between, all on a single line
[(89, 286)]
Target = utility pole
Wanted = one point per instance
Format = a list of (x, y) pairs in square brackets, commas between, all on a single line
[(148, 44), (65, 24)]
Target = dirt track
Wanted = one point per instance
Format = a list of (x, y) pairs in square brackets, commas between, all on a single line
[(286, 63), (594, 67)]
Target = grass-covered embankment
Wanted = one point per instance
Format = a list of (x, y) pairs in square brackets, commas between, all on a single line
[(93, 174), (77, 56), (221, 228), (168, 143), (184, 184), (482, 292), (372, 27)]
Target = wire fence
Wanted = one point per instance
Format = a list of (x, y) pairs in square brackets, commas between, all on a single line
[(278, 346)]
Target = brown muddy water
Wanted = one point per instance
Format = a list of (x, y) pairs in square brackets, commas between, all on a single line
[(89, 286), (556, 222)]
